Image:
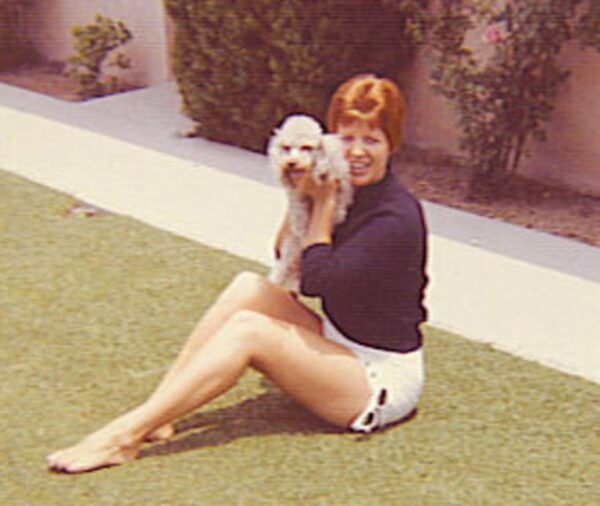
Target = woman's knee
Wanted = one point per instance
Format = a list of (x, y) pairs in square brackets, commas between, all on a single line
[(246, 285)]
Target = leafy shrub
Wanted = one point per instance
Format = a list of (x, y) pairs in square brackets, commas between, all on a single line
[(15, 46), (95, 44), (242, 66), (506, 92)]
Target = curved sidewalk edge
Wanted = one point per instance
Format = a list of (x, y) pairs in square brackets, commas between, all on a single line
[(531, 310)]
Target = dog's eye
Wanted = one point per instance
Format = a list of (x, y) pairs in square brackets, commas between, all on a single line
[(307, 148)]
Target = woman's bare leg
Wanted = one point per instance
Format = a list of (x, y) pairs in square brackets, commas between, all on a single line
[(327, 378), (247, 291)]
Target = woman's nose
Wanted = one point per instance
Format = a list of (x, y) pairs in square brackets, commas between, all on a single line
[(356, 148)]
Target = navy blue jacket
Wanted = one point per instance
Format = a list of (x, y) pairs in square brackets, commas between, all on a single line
[(372, 279)]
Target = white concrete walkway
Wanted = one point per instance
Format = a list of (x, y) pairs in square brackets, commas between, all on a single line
[(527, 293)]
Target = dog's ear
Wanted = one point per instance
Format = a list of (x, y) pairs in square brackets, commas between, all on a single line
[(332, 146), (333, 155)]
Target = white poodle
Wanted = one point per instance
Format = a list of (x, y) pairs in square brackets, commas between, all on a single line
[(300, 149)]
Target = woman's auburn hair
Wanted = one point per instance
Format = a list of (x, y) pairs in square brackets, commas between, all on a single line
[(370, 99)]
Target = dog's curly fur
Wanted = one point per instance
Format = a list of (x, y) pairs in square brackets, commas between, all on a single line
[(299, 149)]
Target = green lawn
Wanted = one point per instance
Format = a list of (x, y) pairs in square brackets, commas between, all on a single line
[(92, 311)]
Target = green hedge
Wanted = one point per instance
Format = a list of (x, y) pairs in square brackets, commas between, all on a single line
[(15, 47), (241, 66)]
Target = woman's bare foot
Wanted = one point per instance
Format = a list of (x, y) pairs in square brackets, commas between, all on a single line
[(162, 433), (96, 451)]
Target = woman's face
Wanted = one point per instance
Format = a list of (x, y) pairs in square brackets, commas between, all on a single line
[(367, 151)]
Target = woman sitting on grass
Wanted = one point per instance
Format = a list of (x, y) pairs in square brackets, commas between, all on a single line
[(362, 366)]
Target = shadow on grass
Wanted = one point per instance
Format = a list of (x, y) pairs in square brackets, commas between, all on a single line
[(272, 412)]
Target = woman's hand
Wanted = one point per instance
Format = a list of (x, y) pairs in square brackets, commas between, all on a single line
[(320, 192)]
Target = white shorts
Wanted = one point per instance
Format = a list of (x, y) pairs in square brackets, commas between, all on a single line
[(396, 381)]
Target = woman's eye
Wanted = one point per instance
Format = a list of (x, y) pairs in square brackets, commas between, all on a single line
[(307, 149), (347, 139), (371, 140), (286, 148)]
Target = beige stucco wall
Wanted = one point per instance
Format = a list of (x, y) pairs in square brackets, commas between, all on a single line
[(570, 156), (430, 119), (51, 21)]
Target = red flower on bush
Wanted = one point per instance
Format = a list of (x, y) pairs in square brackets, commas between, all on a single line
[(493, 35)]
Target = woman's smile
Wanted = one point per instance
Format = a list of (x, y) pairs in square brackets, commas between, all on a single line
[(359, 169)]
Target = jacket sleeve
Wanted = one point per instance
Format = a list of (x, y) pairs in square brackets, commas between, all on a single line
[(370, 255)]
